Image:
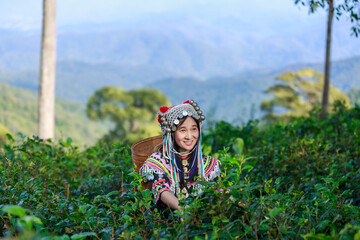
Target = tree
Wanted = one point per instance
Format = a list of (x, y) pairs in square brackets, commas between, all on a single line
[(133, 112), (352, 7), (46, 102), (298, 94), (3, 131), (354, 95)]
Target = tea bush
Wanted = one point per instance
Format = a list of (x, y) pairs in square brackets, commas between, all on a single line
[(295, 181), (305, 152)]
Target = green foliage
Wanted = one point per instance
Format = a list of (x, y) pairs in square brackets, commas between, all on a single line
[(351, 8), (298, 94), (302, 181), (133, 112), (354, 95), (3, 137), (18, 109), (24, 222), (223, 134)]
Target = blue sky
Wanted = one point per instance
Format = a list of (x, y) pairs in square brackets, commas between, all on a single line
[(26, 14)]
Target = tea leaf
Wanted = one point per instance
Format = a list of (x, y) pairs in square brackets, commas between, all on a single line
[(80, 236), (14, 210)]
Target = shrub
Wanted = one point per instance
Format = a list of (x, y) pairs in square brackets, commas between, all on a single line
[(300, 180)]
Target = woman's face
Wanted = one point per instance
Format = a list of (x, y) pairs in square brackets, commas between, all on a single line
[(186, 135)]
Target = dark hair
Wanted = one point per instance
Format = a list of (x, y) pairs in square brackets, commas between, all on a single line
[(191, 156)]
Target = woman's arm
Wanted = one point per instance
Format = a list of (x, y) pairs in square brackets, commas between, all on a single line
[(170, 200)]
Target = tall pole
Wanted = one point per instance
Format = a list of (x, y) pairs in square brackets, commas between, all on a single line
[(325, 97), (46, 104)]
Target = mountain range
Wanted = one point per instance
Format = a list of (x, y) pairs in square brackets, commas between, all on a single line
[(225, 64), (182, 47), (233, 98)]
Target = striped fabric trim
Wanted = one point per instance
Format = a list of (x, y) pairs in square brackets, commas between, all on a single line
[(193, 183), (209, 167), (154, 163), (156, 183), (161, 160), (206, 161)]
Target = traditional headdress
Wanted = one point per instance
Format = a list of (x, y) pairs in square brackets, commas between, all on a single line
[(169, 118)]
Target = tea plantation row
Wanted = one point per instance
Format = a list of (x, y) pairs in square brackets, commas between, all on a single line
[(299, 180)]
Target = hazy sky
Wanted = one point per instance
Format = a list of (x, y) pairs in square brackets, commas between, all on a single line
[(26, 14)]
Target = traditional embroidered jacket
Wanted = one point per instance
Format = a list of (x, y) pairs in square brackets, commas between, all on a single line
[(157, 170)]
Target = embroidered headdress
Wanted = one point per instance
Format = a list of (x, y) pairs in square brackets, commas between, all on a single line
[(169, 118)]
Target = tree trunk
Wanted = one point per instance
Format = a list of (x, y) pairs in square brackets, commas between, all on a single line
[(325, 97), (46, 104)]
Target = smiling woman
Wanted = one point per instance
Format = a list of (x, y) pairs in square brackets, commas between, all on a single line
[(175, 169), (186, 135)]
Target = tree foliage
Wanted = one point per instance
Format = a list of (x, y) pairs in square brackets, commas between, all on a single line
[(3, 131), (354, 95), (133, 112), (346, 7), (18, 108), (351, 7), (297, 94)]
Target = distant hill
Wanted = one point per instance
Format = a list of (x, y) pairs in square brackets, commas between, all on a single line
[(18, 109), (186, 46), (345, 73), (235, 98), (234, 101), (84, 78), (238, 98)]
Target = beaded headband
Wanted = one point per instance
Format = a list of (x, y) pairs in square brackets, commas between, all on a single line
[(169, 117)]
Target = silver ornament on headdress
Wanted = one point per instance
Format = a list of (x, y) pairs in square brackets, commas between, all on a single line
[(171, 117)]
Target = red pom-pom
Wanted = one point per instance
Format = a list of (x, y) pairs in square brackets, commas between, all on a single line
[(187, 101), (163, 109), (159, 119)]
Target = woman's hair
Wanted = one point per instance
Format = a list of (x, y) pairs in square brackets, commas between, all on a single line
[(170, 118), (191, 155)]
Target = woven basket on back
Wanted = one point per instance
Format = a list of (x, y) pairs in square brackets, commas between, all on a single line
[(142, 149)]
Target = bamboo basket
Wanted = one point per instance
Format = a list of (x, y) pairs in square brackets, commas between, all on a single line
[(142, 149)]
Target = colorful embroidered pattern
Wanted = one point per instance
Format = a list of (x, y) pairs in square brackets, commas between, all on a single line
[(156, 170)]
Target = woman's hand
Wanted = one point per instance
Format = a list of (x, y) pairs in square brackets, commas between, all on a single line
[(170, 200)]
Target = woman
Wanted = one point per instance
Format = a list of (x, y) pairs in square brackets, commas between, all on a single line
[(175, 169)]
